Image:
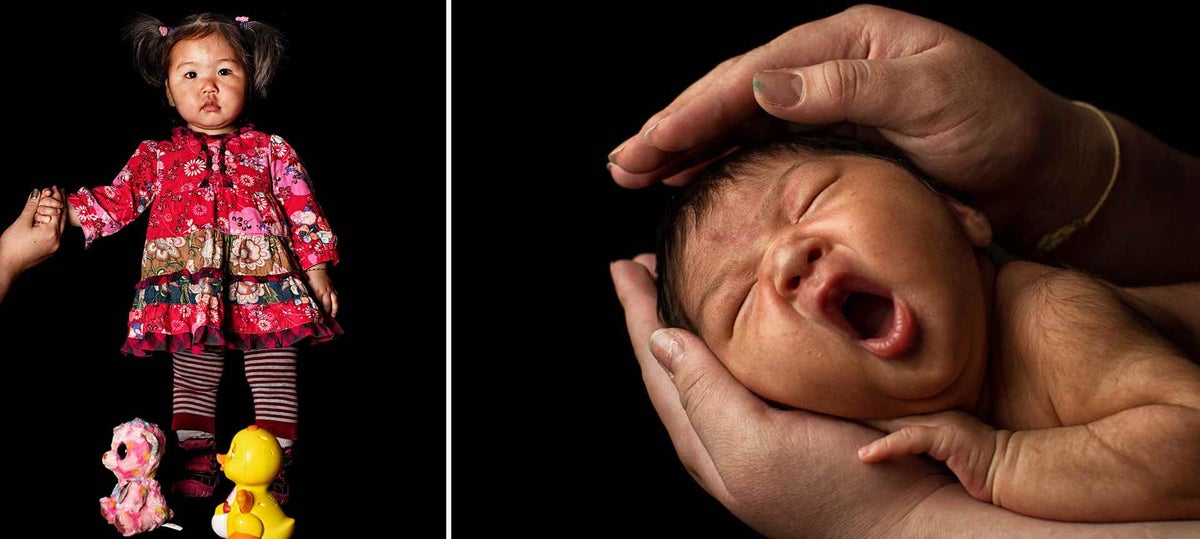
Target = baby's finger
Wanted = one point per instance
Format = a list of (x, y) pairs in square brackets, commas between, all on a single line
[(906, 441), (47, 210), (333, 301)]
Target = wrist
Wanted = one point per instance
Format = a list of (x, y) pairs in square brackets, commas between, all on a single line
[(1075, 163), (8, 270), (8, 267)]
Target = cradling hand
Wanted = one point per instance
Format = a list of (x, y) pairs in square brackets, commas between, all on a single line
[(786, 473), (962, 113)]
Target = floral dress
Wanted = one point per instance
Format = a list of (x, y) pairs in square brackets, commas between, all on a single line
[(233, 224)]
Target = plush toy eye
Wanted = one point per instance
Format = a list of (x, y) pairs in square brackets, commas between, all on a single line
[(121, 451)]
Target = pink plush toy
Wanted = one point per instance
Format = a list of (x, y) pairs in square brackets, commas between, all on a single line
[(136, 503)]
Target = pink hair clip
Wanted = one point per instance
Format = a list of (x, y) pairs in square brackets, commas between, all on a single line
[(163, 30), (242, 21)]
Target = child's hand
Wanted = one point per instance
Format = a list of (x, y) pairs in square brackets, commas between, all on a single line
[(322, 288), (967, 445)]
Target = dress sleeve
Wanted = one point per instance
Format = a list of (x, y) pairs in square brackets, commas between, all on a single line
[(313, 241), (104, 210)]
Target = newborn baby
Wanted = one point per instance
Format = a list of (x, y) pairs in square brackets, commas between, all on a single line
[(835, 280)]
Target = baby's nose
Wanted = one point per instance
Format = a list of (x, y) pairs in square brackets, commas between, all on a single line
[(791, 260)]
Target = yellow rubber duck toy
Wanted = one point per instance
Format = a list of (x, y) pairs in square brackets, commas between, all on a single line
[(250, 511)]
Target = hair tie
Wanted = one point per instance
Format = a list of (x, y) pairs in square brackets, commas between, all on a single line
[(242, 21), (164, 30)]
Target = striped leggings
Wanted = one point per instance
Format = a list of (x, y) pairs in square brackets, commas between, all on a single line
[(270, 373)]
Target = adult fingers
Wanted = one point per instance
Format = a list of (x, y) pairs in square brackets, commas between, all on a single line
[(720, 104), (875, 93), (636, 290), (720, 408), (641, 155), (31, 205), (59, 221), (51, 201), (729, 100), (682, 166)]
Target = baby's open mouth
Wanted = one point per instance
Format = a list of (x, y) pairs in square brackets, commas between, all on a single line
[(870, 315), (883, 323)]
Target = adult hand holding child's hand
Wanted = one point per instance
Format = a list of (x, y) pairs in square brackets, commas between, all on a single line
[(32, 238)]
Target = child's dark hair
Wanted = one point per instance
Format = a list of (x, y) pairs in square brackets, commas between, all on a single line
[(686, 208), (257, 44)]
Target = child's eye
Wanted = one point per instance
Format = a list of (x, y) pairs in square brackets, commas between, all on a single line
[(225, 71), (189, 75)]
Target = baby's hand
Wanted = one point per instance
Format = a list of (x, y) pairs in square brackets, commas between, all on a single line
[(322, 289), (967, 445)]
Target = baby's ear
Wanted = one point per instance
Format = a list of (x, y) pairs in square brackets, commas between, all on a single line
[(974, 222)]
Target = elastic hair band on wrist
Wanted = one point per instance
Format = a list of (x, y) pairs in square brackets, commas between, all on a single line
[(1053, 239)]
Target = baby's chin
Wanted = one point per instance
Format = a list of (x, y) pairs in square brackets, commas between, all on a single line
[(863, 403)]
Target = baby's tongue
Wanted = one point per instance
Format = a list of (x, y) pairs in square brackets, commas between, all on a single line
[(871, 315)]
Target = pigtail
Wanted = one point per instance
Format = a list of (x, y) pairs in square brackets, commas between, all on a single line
[(265, 47), (148, 36)]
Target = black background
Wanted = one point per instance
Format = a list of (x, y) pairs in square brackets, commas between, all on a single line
[(553, 434), (359, 96)]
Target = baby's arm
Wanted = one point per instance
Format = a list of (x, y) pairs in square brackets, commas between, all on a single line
[(968, 446), (312, 239), (1128, 402), (104, 210), (1174, 310), (1139, 464)]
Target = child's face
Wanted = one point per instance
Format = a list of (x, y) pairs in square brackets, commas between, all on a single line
[(206, 83), (841, 284)]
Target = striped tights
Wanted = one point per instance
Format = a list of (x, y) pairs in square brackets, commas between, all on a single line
[(270, 373)]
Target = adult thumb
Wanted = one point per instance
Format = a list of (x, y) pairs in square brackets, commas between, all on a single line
[(31, 204), (714, 400), (865, 92)]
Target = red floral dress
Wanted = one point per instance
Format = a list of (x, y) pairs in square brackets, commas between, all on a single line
[(233, 224)]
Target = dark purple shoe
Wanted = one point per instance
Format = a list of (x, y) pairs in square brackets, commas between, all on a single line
[(279, 487), (200, 468)]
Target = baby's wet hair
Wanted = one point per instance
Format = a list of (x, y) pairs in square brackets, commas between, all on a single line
[(686, 208), (259, 46)]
